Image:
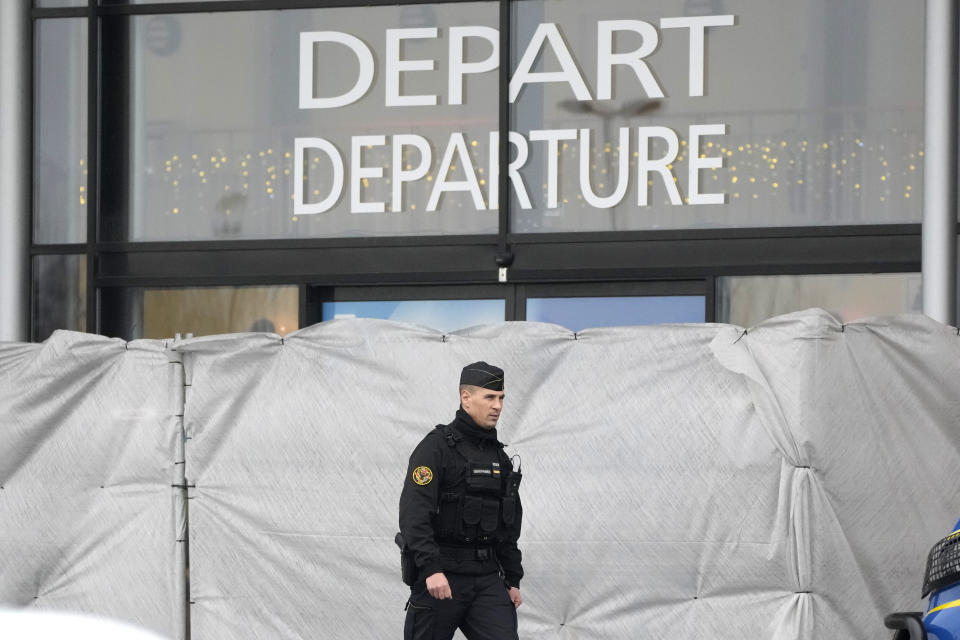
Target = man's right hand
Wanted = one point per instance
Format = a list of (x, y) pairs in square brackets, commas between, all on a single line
[(438, 586)]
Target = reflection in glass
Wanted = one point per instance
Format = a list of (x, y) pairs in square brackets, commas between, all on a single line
[(822, 122), (442, 315), (577, 314), (749, 300), (56, 4), (59, 295), (215, 113), (164, 313), (60, 131)]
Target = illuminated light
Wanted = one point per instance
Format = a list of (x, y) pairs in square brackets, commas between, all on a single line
[(800, 181), (882, 199), (270, 151), (226, 188), (83, 201), (82, 188), (752, 179), (227, 212), (168, 163), (366, 183), (920, 153), (286, 172), (213, 158), (273, 176), (703, 155), (316, 192), (286, 155), (269, 189), (204, 181), (773, 166), (283, 328), (685, 200), (480, 170), (82, 162), (740, 148), (670, 167), (453, 167), (223, 159), (544, 185), (565, 201), (825, 145), (267, 183), (175, 158), (775, 185), (565, 145), (736, 195), (775, 160), (482, 181), (709, 145), (413, 207), (248, 156), (409, 167), (201, 174), (600, 185), (246, 186), (243, 163), (912, 168), (856, 186), (755, 196), (216, 166), (833, 165), (733, 168), (683, 143), (176, 183), (246, 173), (194, 156), (169, 169), (429, 178), (853, 154), (579, 197), (749, 145), (636, 154), (473, 143), (294, 218), (734, 180), (783, 143), (261, 154), (883, 178), (767, 149), (906, 195), (604, 172), (650, 182), (176, 210), (839, 172), (792, 162), (909, 188), (884, 163), (843, 161)]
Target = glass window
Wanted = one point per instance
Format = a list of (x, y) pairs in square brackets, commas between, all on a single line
[(626, 125), (303, 123), (59, 294), (165, 312), (60, 131), (48, 4), (442, 315), (578, 314), (749, 300)]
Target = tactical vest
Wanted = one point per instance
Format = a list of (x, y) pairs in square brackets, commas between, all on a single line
[(475, 507)]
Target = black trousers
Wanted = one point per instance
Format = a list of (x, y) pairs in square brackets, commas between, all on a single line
[(480, 608)]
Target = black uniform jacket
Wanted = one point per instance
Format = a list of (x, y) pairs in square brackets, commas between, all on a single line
[(433, 471)]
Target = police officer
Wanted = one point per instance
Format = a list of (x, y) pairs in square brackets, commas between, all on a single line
[(460, 517)]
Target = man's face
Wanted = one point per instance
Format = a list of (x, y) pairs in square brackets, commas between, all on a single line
[(483, 405)]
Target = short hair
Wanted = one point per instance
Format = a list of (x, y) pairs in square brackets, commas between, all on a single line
[(472, 388)]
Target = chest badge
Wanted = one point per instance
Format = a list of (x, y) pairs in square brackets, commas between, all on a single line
[(422, 475)]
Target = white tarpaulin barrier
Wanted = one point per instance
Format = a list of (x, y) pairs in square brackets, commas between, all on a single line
[(679, 481), (691, 481), (87, 514)]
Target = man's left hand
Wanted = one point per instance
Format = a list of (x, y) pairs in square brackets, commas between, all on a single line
[(515, 597)]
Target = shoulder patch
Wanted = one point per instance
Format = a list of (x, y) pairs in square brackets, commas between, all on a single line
[(422, 475)]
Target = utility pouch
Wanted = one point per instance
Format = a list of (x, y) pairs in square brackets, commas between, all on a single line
[(448, 518), (472, 510), (509, 510), (408, 566), (490, 515)]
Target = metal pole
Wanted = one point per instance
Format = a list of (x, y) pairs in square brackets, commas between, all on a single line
[(940, 163), (15, 105)]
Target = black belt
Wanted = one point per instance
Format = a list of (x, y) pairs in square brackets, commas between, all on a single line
[(467, 553)]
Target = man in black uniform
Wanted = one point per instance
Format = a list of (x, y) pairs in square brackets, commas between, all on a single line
[(460, 517)]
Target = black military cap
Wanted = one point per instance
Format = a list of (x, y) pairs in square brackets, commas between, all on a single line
[(481, 374)]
